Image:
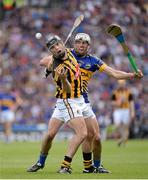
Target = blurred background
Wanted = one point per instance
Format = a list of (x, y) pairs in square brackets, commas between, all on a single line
[(20, 53)]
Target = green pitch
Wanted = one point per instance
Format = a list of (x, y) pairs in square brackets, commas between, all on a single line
[(124, 162)]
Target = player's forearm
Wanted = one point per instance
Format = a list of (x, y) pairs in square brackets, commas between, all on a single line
[(122, 75), (66, 85), (44, 62), (118, 74)]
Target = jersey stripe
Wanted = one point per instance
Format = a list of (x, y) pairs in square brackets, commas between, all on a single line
[(73, 77), (69, 108)]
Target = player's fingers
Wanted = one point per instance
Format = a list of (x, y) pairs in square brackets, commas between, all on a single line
[(57, 71), (62, 71), (140, 74)]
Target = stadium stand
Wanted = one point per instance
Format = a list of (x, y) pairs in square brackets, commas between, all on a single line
[(20, 53)]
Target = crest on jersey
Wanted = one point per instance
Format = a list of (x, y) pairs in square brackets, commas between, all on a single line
[(87, 66)]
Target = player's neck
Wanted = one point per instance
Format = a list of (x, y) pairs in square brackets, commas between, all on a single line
[(79, 55)]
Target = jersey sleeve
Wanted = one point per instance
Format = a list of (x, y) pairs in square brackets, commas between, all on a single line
[(102, 67), (99, 64)]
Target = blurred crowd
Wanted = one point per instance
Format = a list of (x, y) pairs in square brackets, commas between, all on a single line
[(20, 53)]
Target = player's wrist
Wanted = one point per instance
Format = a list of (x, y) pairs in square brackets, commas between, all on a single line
[(132, 76), (47, 72)]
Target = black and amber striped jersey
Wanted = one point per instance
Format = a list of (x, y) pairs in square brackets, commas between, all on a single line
[(73, 76), (124, 95)]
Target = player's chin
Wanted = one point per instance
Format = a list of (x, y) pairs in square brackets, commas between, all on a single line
[(81, 53), (61, 55)]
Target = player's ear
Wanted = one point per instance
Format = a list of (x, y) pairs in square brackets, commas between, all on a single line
[(88, 47)]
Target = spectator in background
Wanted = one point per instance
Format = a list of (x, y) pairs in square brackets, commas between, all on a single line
[(124, 111), (8, 104)]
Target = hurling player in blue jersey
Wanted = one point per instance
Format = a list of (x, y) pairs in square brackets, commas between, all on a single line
[(89, 64), (7, 113)]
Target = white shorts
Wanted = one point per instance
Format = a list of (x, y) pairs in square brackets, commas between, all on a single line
[(89, 112), (121, 116), (7, 116), (67, 109)]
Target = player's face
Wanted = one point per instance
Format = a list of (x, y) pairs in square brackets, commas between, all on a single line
[(81, 47), (58, 50)]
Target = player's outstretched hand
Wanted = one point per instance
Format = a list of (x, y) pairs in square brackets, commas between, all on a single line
[(139, 75)]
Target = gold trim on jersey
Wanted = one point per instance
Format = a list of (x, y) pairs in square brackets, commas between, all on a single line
[(102, 67)]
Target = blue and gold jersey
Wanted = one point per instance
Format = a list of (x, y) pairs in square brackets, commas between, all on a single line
[(88, 65), (6, 101)]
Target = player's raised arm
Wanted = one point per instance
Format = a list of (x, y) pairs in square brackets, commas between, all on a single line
[(46, 61), (121, 74)]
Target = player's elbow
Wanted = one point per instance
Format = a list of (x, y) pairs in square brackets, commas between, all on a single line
[(42, 62)]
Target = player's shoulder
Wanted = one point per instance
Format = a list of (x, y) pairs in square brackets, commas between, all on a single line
[(94, 57), (96, 60), (69, 50)]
